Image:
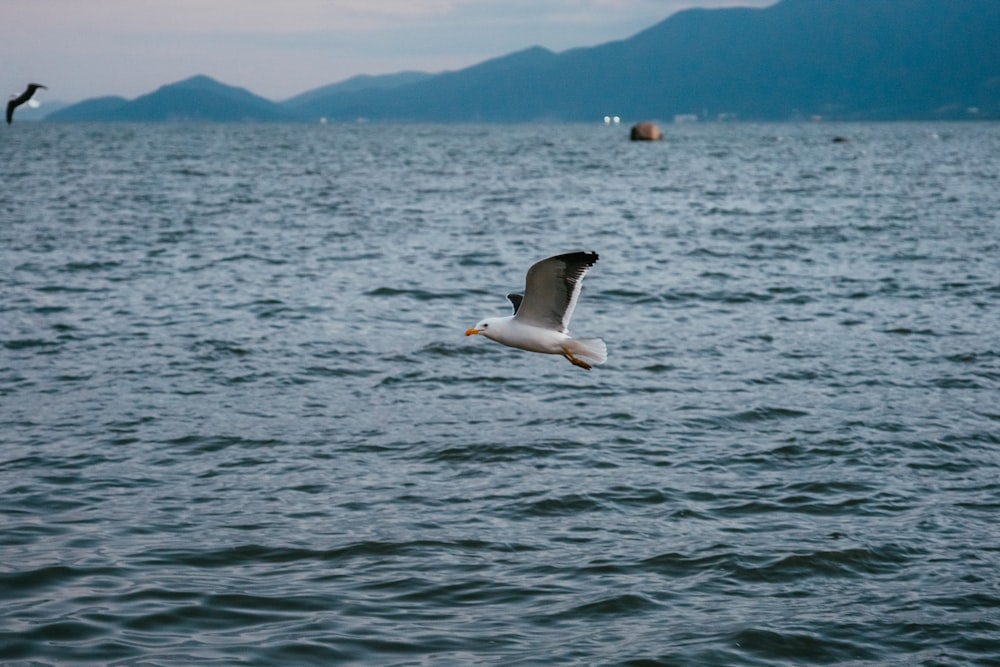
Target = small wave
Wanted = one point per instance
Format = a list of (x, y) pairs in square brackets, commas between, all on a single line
[(907, 331), (72, 267), (246, 555), (487, 452), (216, 443), (210, 350), (807, 647), (767, 414), (251, 257), (417, 294), (442, 350), (70, 289), (738, 420), (853, 562), (615, 605), (29, 344), (562, 505), (338, 371), (30, 582)]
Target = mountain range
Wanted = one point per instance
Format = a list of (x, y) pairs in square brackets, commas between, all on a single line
[(838, 59)]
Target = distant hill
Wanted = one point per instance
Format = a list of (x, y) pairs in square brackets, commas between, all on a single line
[(836, 58), (97, 108), (199, 98), (510, 88), (840, 59), (362, 82)]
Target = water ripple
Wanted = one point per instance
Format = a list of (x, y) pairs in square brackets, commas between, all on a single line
[(242, 425)]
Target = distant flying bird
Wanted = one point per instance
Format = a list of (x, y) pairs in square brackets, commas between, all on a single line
[(541, 316), (15, 102)]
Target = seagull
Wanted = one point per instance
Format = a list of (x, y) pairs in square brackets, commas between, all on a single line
[(15, 102), (541, 316)]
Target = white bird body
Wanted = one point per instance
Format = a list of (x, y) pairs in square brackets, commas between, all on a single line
[(510, 332), (541, 317)]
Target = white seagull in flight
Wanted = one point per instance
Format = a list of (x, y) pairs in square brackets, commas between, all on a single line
[(541, 316)]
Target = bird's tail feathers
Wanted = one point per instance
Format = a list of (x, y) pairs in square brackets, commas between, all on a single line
[(592, 348)]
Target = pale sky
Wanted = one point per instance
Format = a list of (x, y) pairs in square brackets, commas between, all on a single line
[(280, 48)]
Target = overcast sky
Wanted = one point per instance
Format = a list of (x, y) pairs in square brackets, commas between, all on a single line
[(279, 48)]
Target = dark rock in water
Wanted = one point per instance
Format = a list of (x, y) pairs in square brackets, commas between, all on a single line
[(840, 140), (646, 132)]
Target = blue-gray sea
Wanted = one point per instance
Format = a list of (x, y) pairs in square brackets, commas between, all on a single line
[(240, 423)]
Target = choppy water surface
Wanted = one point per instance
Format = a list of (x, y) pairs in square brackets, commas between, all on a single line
[(241, 425)]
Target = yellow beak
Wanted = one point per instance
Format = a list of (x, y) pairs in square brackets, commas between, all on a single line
[(472, 331)]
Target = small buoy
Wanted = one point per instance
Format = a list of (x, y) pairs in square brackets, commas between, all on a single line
[(646, 132)]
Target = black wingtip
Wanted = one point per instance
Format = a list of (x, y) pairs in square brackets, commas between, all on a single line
[(587, 258)]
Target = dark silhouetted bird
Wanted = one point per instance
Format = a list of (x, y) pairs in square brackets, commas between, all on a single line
[(15, 102)]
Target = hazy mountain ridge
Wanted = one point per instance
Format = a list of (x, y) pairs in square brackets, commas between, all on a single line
[(844, 59), (199, 98), (358, 83)]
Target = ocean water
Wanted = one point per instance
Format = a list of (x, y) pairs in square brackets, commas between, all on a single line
[(240, 423)]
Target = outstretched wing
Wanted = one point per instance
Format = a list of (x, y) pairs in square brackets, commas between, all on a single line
[(515, 299), (15, 102), (552, 288)]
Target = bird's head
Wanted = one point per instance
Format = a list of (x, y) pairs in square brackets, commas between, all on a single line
[(485, 327)]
